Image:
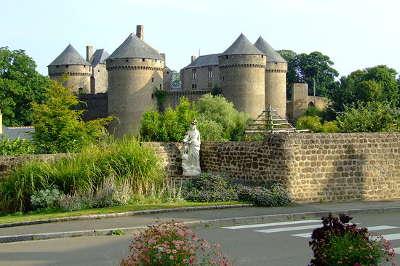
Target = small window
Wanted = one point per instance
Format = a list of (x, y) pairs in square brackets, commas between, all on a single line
[(226, 57), (152, 80), (143, 59), (194, 74), (127, 60), (223, 78), (160, 87), (98, 70), (66, 66), (210, 73)]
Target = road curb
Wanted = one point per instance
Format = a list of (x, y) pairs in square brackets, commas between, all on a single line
[(123, 214), (219, 222)]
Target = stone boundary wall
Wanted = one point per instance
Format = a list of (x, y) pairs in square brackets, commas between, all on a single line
[(8, 162), (313, 167)]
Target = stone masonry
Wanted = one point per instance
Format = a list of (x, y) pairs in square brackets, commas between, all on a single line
[(313, 167)]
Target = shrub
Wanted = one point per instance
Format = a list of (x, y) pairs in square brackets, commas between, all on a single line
[(339, 243), (222, 112), (369, 117), (16, 146), (172, 244), (60, 128), (46, 198), (125, 160), (217, 120), (209, 188), (170, 125), (312, 123), (274, 196)]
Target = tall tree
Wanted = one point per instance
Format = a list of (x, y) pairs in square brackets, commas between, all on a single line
[(315, 69), (376, 84), (20, 86)]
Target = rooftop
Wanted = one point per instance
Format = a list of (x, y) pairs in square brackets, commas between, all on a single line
[(270, 53), (69, 56), (242, 46), (134, 47), (99, 57), (204, 60)]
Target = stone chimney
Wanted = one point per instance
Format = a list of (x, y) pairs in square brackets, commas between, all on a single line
[(192, 58), (89, 52), (162, 56), (139, 31)]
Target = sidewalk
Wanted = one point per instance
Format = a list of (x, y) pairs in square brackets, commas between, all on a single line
[(220, 216)]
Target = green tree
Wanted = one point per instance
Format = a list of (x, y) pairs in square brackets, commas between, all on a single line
[(59, 126), (170, 125), (371, 84), (20, 86), (222, 112), (314, 69), (369, 117), (217, 120)]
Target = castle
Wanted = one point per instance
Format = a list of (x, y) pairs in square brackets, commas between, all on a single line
[(123, 84)]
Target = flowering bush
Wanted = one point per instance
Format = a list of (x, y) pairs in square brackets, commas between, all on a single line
[(339, 243), (171, 244)]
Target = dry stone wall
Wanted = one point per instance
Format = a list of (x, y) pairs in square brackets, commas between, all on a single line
[(313, 167)]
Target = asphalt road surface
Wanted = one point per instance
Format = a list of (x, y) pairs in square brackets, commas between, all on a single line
[(278, 243)]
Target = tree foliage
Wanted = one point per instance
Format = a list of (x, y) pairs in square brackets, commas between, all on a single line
[(307, 68), (371, 84), (59, 127), (20, 86), (369, 117), (217, 120)]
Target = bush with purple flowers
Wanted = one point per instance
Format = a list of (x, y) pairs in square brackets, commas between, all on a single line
[(172, 244), (338, 242)]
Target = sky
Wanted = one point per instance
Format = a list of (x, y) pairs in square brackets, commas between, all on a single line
[(355, 34)]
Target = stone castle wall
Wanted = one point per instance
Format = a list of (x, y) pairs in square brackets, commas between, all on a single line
[(95, 105), (74, 77), (314, 167), (132, 83), (243, 82)]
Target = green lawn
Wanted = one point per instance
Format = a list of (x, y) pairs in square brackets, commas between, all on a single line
[(44, 215)]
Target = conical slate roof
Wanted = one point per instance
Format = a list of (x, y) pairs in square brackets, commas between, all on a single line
[(270, 53), (242, 46), (134, 47), (99, 57), (69, 56)]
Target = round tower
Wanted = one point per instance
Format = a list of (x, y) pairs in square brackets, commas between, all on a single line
[(275, 78), (242, 73), (71, 70), (135, 71)]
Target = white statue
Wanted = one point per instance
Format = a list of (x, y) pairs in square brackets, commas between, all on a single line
[(191, 151)]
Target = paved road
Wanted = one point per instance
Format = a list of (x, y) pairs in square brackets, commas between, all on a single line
[(278, 243)]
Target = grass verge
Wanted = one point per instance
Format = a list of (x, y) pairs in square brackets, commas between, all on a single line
[(56, 213)]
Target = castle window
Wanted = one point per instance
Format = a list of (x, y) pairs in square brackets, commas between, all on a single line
[(127, 60), (160, 87), (223, 78), (98, 70), (152, 79), (226, 57), (194, 74), (143, 59), (66, 66), (210, 73)]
